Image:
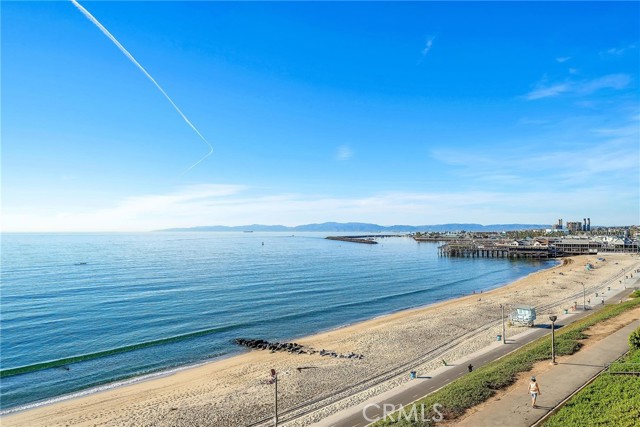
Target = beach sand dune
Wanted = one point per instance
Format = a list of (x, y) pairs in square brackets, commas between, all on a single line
[(236, 391)]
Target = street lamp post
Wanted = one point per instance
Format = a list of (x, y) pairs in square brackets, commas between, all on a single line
[(553, 339), (504, 336), (274, 375)]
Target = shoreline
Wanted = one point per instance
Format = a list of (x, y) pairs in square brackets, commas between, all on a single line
[(125, 382), (359, 334)]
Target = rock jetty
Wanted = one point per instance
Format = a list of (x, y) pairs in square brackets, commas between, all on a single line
[(293, 348), (354, 239)]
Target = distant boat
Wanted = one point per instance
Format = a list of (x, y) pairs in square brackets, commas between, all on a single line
[(80, 263), (248, 231)]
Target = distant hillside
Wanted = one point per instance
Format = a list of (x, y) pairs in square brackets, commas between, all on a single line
[(358, 227)]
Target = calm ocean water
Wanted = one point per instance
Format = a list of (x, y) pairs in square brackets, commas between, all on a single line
[(148, 302)]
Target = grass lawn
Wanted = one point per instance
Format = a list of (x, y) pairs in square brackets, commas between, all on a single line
[(481, 384), (611, 400)]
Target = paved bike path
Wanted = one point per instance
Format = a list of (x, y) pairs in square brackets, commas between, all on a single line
[(374, 408), (514, 408)]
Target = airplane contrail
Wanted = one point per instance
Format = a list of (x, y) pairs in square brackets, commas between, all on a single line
[(106, 32)]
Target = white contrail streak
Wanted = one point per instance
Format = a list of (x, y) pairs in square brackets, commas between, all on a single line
[(106, 32)]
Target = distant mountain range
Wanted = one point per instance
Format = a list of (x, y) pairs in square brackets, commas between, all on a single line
[(358, 227)]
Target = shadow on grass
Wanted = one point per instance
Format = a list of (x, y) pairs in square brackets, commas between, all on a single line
[(581, 364)]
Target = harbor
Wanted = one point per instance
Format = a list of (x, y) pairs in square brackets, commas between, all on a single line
[(485, 245)]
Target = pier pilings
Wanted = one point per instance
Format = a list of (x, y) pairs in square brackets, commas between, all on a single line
[(472, 250)]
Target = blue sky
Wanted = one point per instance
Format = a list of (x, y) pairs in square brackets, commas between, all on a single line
[(392, 113)]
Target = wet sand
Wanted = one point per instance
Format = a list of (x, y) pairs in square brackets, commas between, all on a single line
[(236, 391)]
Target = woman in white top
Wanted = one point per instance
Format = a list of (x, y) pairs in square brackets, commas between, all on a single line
[(534, 390)]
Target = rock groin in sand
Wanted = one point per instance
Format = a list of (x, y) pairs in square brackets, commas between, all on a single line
[(236, 391)]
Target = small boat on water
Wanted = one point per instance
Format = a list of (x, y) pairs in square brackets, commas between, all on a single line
[(80, 263)]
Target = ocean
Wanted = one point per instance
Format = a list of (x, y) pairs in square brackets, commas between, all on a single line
[(85, 311)]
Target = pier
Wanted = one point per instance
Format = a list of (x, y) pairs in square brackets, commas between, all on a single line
[(493, 250)]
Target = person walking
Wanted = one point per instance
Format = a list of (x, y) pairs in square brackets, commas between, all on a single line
[(534, 390)]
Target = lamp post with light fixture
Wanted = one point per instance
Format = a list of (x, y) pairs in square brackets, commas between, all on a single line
[(553, 339), (274, 376), (504, 336)]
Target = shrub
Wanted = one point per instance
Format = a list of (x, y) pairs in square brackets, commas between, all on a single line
[(481, 384), (634, 340), (611, 400)]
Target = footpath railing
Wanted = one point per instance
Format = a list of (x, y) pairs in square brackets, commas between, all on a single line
[(304, 408), (623, 368)]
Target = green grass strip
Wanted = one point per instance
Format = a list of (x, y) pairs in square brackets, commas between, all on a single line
[(481, 384), (611, 400)]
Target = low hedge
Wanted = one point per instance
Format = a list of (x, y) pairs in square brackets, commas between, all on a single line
[(611, 400), (481, 384)]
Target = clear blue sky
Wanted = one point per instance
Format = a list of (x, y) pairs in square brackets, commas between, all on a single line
[(393, 113)]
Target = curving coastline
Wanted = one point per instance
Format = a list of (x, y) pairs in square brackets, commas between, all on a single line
[(235, 391)]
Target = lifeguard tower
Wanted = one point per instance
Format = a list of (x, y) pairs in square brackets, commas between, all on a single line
[(523, 315)]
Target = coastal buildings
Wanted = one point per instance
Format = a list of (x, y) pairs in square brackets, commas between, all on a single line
[(539, 247), (577, 238), (558, 226), (618, 244), (572, 226), (577, 247)]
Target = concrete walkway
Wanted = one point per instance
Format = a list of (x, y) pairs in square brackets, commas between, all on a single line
[(425, 384), (514, 409), (374, 408)]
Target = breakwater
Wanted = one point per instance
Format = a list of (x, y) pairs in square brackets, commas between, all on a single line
[(354, 239), (294, 348), (369, 239)]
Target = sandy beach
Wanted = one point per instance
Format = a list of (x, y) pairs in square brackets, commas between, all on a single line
[(236, 391)]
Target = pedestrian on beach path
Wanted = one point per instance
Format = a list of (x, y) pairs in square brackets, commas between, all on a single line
[(534, 390)]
